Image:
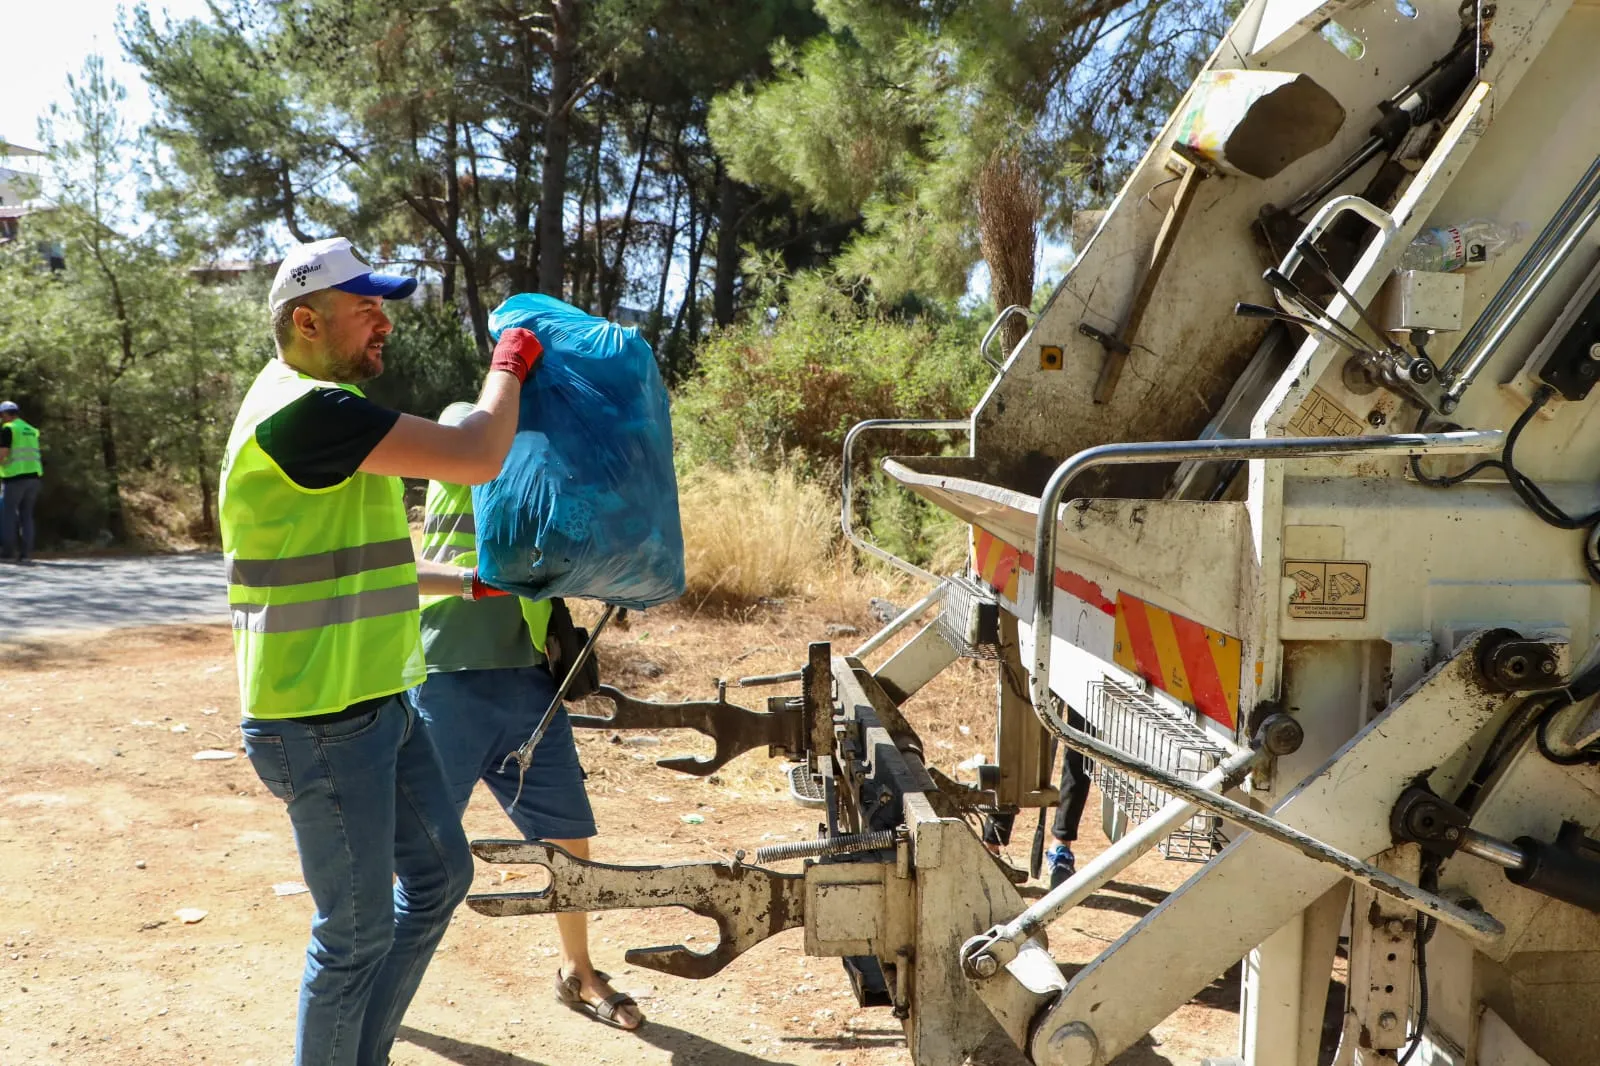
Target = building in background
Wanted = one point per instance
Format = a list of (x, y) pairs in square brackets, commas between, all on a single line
[(19, 184)]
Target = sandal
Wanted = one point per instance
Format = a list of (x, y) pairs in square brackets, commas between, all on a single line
[(569, 990)]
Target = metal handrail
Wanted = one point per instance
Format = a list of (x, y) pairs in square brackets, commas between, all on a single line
[(994, 327), (1476, 925), (846, 521), (1546, 255)]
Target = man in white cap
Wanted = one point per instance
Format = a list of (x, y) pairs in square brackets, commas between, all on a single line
[(323, 590), (20, 473)]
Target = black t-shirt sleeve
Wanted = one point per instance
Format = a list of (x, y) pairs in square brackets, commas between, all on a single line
[(5, 436), (323, 437)]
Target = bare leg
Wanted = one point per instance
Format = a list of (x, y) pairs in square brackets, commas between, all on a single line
[(573, 929)]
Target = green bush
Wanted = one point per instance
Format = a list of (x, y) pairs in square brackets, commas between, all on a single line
[(790, 386), (785, 389)]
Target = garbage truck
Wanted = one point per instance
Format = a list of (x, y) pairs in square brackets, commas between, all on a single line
[(1288, 496)]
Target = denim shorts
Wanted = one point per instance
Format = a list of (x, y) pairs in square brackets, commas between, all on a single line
[(477, 717)]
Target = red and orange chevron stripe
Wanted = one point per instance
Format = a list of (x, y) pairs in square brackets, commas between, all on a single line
[(1182, 658), (1188, 661)]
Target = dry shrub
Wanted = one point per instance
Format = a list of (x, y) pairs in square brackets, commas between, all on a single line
[(751, 534)]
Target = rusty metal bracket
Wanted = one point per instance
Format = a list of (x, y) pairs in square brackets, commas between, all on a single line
[(735, 729), (1119, 346), (749, 904)]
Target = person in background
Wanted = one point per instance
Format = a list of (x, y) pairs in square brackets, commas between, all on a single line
[(1059, 860), (489, 684), (323, 589), (21, 473)]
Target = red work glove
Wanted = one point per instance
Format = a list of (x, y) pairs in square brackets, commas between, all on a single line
[(473, 588), (480, 590), (517, 353)]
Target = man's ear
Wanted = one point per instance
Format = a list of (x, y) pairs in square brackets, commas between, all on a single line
[(308, 321)]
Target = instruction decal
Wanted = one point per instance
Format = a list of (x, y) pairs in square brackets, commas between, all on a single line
[(1327, 588), (1323, 416)]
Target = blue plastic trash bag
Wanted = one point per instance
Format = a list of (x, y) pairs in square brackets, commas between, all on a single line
[(587, 502)]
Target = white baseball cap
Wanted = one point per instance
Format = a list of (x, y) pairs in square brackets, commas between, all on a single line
[(332, 264)]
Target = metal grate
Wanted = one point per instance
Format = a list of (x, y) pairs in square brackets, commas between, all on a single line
[(970, 618), (1166, 737), (805, 788)]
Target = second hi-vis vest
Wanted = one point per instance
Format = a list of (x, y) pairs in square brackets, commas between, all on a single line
[(322, 583), (24, 457), (449, 535)]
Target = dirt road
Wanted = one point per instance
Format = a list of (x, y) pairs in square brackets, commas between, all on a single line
[(61, 595), (109, 827)]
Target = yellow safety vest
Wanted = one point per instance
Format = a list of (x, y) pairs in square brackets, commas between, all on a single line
[(24, 457), (449, 535), (322, 583)]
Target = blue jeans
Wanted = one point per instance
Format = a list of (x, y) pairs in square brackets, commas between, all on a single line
[(368, 804), (478, 717), (17, 498)]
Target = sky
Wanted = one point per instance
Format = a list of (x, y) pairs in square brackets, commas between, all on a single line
[(49, 39)]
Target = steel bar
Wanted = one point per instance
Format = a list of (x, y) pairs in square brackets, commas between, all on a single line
[(1119, 856), (524, 754), (994, 327), (1476, 925), (847, 523), (1496, 851), (1538, 265)]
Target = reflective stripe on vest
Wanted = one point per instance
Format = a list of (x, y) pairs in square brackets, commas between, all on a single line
[(322, 583), (449, 534), (24, 457)]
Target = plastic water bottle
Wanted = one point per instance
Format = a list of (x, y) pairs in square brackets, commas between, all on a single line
[(1473, 243)]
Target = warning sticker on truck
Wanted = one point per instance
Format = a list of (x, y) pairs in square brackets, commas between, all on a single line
[(1327, 588), (1322, 416)]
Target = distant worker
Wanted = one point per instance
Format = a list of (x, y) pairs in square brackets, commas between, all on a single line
[(21, 473), (1059, 861), (488, 686), (323, 589)]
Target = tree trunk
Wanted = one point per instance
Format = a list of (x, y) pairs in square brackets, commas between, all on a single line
[(452, 209), (728, 218), (611, 284), (669, 248), (116, 525), (697, 252), (557, 144), (525, 249), (688, 293)]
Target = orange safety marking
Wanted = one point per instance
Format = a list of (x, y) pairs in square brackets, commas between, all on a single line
[(1000, 565), (1186, 660)]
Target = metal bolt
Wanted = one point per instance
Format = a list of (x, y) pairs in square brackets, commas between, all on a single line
[(1075, 1045), (1547, 666), (985, 966), (1594, 352), (1452, 833), (1395, 927), (1388, 1020), (1376, 418)]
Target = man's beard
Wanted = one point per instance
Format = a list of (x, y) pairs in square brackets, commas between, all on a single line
[(359, 367)]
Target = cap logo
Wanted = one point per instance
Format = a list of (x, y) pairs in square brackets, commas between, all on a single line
[(298, 274)]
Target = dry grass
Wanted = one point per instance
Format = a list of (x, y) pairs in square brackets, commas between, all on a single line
[(750, 535)]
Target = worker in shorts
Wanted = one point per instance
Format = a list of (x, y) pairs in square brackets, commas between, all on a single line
[(488, 685)]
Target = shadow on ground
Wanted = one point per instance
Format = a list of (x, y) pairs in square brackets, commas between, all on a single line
[(684, 1047)]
